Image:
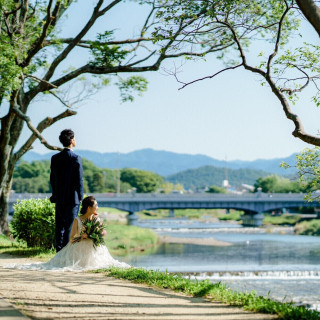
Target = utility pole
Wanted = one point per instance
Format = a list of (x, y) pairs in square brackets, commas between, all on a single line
[(226, 168), (225, 183)]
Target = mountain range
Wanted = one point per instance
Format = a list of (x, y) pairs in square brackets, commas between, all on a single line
[(168, 163)]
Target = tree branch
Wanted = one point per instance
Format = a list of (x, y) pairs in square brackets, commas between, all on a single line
[(36, 132), (299, 131), (41, 80), (95, 15), (209, 77), (312, 12), (56, 96), (241, 51), (37, 46), (276, 46), (87, 43), (291, 91)]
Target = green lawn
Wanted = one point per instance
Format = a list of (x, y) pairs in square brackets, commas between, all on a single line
[(214, 291)]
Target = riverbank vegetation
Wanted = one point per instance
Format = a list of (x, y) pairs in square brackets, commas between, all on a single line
[(201, 214), (120, 240), (214, 291), (285, 219), (309, 228), (124, 239), (32, 232)]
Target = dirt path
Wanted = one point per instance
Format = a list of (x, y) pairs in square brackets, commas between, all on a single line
[(70, 295)]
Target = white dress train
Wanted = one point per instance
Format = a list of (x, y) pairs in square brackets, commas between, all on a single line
[(78, 256)]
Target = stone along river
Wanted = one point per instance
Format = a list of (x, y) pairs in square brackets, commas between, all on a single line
[(285, 266)]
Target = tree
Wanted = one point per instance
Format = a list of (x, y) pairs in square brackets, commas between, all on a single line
[(277, 184), (34, 61), (287, 67), (308, 165), (311, 12), (32, 177), (216, 189), (143, 181)]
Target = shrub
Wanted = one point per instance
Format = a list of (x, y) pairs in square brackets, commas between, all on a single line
[(34, 222)]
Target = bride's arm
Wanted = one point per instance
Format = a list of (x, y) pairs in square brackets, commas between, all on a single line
[(74, 230)]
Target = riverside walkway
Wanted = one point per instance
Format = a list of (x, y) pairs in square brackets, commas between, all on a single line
[(78, 295)]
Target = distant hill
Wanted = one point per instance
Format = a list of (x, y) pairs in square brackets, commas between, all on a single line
[(209, 175), (167, 163)]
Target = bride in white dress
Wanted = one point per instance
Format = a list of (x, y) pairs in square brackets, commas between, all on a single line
[(79, 255)]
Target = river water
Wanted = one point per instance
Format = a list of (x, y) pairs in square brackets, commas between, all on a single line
[(285, 266)]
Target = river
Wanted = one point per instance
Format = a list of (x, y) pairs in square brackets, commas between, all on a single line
[(285, 266)]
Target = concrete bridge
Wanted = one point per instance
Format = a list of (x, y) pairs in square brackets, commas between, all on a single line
[(253, 204)]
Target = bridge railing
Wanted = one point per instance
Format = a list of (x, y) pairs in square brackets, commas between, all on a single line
[(186, 196)]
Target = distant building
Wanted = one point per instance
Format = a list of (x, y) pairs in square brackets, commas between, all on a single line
[(225, 184), (245, 188)]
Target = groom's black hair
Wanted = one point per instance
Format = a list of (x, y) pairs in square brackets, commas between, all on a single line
[(66, 136)]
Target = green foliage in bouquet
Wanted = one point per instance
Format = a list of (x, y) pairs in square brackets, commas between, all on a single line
[(34, 222), (94, 230)]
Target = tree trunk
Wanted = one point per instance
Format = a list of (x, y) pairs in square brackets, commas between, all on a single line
[(312, 12), (8, 140), (5, 187), (4, 206)]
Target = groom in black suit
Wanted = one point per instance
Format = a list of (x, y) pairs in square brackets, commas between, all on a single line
[(67, 187)]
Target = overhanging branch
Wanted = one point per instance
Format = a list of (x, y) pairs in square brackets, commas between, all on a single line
[(36, 132)]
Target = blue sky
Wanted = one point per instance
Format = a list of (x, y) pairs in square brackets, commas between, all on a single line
[(230, 116)]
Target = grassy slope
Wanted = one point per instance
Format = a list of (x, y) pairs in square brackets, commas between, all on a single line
[(217, 292)]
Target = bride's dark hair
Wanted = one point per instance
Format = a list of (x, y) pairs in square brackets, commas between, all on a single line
[(87, 202)]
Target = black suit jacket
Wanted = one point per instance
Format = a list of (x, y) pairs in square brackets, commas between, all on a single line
[(66, 178)]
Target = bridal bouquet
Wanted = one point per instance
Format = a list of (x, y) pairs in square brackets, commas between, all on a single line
[(94, 230)]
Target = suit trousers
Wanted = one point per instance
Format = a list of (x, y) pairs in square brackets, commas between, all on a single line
[(65, 214)]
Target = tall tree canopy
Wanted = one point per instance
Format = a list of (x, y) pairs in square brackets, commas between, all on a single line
[(285, 64), (35, 60), (35, 57)]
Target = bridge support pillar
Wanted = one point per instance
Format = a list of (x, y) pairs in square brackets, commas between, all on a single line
[(132, 218), (252, 220), (171, 213)]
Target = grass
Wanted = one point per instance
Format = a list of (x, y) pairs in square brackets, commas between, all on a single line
[(310, 228), (20, 248), (233, 215), (120, 240), (284, 219), (124, 239), (215, 291)]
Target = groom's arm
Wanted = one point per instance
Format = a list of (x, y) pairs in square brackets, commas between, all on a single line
[(53, 181), (79, 178)]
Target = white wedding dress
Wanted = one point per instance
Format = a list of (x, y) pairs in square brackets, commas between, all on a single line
[(78, 256)]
